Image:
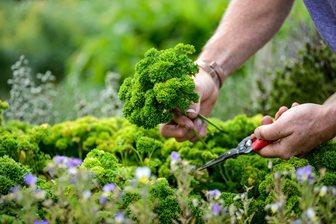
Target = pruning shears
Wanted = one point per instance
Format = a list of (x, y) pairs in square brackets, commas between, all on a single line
[(246, 146)]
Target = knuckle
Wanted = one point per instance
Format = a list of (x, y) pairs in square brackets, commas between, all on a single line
[(286, 156), (180, 133), (163, 131), (259, 133), (283, 108)]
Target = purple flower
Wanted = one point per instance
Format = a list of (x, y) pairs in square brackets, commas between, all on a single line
[(102, 199), (68, 162), (60, 160), (305, 174), (108, 187), (175, 156), (30, 179), (214, 194), (41, 221), (119, 218), (73, 162), (216, 209), (15, 189)]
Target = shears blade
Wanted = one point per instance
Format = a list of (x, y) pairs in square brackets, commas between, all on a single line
[(229, 154), (244, 147)]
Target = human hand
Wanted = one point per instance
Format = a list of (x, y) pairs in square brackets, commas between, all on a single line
[(298, 130), (189, 126)]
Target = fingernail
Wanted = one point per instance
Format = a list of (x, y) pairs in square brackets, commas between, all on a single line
[(191, 111)]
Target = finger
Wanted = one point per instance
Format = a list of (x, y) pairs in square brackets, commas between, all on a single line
[(281, 110), (278, 149), (271, 132), (183, 120), (266, 120), (198, 125), (173, 130), (188, 136), (193, 110), (199, 131), (194, 139), (295, 104), (203, 130)]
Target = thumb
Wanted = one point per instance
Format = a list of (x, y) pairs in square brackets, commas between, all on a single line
[(194, 110), (270, 132)]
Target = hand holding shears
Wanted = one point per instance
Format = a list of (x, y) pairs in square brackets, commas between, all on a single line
[(246, 146)]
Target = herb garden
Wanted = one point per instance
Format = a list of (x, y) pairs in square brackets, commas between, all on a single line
[(67, 156)]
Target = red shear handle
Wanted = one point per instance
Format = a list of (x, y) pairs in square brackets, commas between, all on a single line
[(258, 144)]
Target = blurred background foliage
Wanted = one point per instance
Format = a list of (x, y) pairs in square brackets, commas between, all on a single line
[(80, 41)]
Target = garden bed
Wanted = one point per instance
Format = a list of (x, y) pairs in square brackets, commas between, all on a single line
[(129, 174)]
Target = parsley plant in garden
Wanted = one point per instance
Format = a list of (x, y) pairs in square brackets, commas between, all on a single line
[(162, 83)]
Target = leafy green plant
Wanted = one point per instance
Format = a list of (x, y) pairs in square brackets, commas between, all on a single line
[(314, 68), (113, 148), (3, 106), (160, 78), (11, 174)]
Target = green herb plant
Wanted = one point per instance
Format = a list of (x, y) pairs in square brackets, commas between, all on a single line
[(162, 83)]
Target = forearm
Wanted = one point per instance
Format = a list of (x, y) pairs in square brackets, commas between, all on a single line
[(245, 28), (331, 118)]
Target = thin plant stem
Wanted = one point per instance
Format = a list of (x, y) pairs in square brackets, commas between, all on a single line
[(201, 139), (210, 122)]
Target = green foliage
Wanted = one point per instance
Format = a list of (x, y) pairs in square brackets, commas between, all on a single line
[(160, 78), (113, 148), (11, 174), (297, 81), (21, 142), (105, 166), (76, 138), (167, 207), (324, 156), (86, 39), (146, 146), (3, 106)]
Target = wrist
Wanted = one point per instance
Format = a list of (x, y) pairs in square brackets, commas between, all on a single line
[(214, 70), (204, 81)]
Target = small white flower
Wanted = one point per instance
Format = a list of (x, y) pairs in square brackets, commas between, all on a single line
[(195, 202), (73, 171), (311, 214), (142, 174), (323, 191), (86, 194), (40, 194), (270, 164), (274, 207)]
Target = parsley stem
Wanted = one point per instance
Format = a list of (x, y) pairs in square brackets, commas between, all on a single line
[(210, 122)]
